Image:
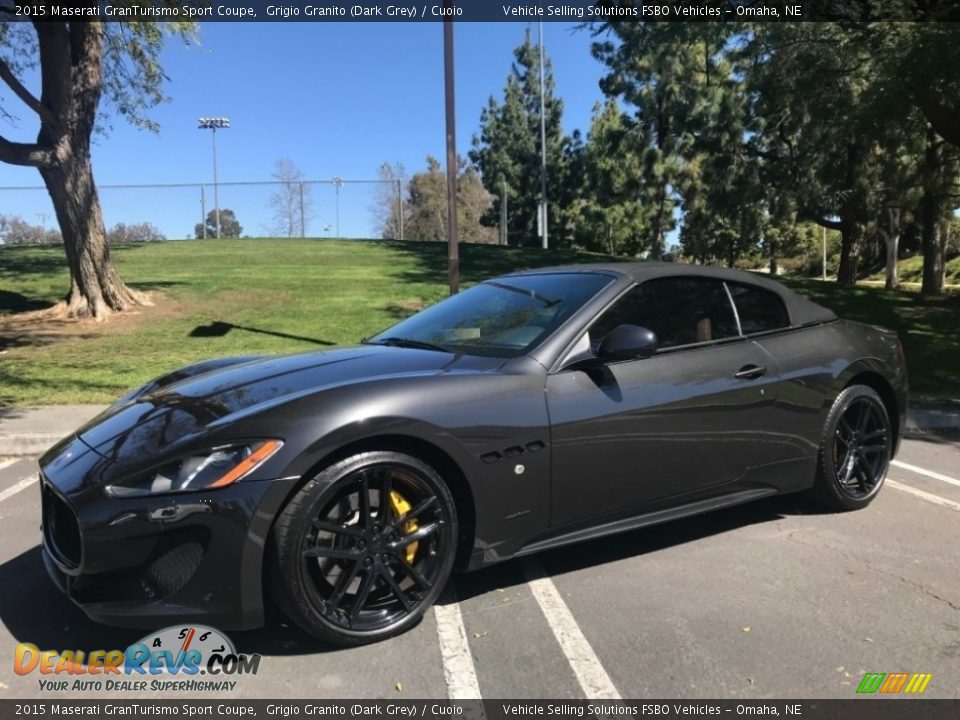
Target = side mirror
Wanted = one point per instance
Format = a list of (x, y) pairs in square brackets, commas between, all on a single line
[(628, 342)]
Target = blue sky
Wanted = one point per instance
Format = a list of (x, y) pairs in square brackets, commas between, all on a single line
[(336, 98)]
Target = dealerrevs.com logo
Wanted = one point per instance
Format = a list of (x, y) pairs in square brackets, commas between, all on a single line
[(179, 658)]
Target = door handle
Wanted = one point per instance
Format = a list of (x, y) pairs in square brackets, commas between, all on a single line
[(750, 372)]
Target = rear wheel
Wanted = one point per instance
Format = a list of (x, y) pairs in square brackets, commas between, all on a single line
[(854, 450), (364, 548)]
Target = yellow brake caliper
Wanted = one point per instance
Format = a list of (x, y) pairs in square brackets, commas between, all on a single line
[(400, 508)]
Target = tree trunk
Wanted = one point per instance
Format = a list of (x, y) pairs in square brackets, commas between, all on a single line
[(852, 236), (931, 216), (96, 289), (656, 249), (930, 243), (891, 240), (893, 243), (773, 257)]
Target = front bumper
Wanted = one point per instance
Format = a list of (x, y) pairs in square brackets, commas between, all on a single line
[(154, 561)]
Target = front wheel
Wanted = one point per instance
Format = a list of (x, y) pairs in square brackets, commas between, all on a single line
[(364, 548), (854, 450)]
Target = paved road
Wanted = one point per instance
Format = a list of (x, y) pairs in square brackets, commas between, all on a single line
[(768, 600)]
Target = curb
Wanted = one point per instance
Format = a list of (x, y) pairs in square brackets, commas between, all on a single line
[(23, 444), (924, 420)]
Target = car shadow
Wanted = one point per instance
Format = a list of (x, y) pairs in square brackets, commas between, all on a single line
[(34, 611)]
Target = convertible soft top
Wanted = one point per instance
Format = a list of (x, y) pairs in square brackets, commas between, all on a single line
[(802, 311)]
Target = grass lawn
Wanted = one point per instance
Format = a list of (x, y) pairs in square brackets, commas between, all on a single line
[(291, 295), (287, 295), (910, 270), (928, 327)]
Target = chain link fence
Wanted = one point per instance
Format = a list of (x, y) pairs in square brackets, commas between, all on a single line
[(335, 208)]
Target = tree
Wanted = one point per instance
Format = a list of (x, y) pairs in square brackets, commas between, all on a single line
[(473, 206), (609, 216), (388, 205), (15, 230), (506, 151), (657, 69), (137, 232), (82, 63), (291, 203), (229, 225), (426, 205)]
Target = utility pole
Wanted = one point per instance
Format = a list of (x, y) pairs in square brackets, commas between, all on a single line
[(303, 215), (453, 252), (400, 205), (43, 221), (543, 148), (203, 212), (503, 212), (338, 181), (824, 253)]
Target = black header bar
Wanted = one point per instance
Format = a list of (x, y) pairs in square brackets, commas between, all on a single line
[(568, 11)]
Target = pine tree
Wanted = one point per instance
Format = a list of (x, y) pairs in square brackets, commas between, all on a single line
[(506, 150)]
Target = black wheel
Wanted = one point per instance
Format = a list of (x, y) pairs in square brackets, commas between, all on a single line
[(364, 548), (854, 450)]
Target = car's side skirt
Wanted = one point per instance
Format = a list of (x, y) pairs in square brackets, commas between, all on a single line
[(647, 519)]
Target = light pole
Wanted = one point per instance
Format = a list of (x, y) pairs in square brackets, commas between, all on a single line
[(338, 181), (212, 123), (543, 147), (453, 248), (43, 221)]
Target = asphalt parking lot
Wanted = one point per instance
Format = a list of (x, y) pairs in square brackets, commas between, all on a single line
[(772, 599)]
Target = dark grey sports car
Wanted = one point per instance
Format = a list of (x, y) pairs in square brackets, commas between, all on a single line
[(533, 410)]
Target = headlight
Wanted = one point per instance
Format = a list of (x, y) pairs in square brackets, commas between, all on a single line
[(216, 468)]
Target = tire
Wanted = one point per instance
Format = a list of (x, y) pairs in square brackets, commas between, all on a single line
[(349, 573), (854, 451)]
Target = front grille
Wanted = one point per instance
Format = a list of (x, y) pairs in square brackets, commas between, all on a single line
[(61, 530)]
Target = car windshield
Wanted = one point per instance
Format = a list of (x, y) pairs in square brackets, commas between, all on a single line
[(505, 317)]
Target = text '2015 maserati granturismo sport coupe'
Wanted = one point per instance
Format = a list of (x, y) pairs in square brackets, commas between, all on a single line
[(530, 411)]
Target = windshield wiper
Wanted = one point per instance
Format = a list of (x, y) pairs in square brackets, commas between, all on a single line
[(406, 342)]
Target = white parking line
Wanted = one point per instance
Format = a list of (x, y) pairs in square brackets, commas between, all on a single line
[(458, 669), (926, 473), (924, 495), (594, 680), (22, 485), (7, 463)]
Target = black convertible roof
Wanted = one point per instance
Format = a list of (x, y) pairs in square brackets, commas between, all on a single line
[(802, 311)]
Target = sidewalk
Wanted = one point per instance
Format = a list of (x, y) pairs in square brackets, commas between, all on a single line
[(31, 430)]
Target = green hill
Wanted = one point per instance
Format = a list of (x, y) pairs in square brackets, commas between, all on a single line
[(230, 297), (281, 296)]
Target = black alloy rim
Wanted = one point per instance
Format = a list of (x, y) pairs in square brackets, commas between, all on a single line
[(355, 553), (861, 448)]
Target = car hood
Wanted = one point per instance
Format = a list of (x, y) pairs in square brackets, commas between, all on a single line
[(170, 416)]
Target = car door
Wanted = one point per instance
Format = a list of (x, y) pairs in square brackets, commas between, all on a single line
[(689, 418)]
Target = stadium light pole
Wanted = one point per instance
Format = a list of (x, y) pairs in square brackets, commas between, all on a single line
[(212, 123)]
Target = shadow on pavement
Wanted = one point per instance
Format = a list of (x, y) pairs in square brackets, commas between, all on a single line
[(34, 611), (636, 543)]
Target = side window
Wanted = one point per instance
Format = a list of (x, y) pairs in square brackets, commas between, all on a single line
[(759, 310), (681, 311)]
